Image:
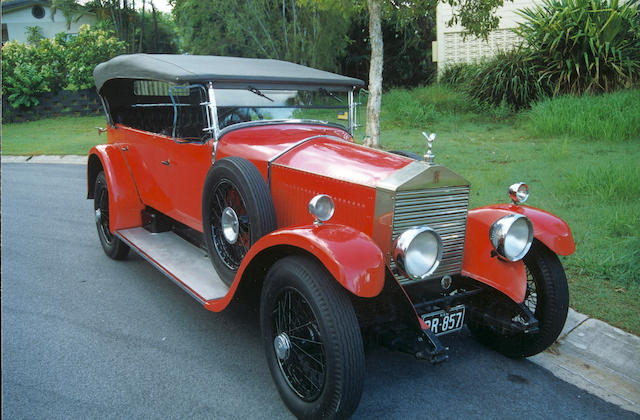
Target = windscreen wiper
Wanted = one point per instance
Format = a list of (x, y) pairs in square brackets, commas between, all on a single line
[(329, 93), (257, 92)]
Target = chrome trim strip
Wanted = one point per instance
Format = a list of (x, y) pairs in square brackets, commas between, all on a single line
[(213, 110), (161, 269), (353, 114)]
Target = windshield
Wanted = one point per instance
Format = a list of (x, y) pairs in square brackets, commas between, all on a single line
[(242, 105)]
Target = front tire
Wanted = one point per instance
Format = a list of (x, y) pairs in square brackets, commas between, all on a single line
[(312, 340), (547, 297), (112, 245)]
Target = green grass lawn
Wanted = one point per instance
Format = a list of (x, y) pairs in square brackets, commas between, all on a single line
[(52, 136), (592, 184)]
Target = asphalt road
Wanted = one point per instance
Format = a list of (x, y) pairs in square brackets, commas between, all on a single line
[(84, 336)]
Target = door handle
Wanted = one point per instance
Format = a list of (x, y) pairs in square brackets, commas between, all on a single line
[(165, 162), (124, 148)]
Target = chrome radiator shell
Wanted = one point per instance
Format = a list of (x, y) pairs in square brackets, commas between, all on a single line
[(423, 195)]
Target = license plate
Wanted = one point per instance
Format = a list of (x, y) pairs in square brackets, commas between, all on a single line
[(443, 322)]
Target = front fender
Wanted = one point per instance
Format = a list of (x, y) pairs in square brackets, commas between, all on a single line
[(353, 259), (509, 277), (350, 256), (547, 227), (124, 202)]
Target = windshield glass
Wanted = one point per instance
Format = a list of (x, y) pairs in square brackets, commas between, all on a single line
[(242, 105)]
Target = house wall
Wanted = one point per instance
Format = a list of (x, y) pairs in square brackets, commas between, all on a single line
[(17, 22), (452, 48)]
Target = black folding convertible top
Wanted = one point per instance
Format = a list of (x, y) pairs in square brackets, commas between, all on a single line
[(224, 72)]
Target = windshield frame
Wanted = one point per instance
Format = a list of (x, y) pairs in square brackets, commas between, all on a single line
[(217, 131)]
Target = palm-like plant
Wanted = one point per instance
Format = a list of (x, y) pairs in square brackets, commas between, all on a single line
[(584, 45)]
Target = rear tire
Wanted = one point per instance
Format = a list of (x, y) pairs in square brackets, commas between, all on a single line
[(112, 245), (547, 297), (312, 340)]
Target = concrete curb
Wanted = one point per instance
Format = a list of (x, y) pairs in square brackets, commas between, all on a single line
[(591, 354), (597, 357), (65, 159)]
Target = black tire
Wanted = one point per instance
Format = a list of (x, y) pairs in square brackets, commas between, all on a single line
[(405, 153), (237, 184), (547, 297), (112, 245), (323, 375)]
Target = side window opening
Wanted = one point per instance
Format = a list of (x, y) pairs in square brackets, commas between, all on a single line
[(171, 110)]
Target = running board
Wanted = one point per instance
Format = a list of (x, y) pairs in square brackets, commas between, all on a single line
[(185, 264)]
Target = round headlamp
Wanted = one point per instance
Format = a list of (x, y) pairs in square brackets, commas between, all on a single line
[(512, 236), (519, 192), (321, 207), (417, 252)]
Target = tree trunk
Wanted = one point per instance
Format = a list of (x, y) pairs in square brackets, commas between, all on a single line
[(142, 27), (372, 138)]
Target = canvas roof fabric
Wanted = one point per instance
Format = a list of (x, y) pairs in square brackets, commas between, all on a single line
[(224, 72)]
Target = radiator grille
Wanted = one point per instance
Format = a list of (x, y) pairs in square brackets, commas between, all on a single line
[(442, 209)]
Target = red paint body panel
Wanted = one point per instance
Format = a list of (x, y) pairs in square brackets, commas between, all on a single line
[(547, 227), (351, 257), (509, 277), (174, 189), (123, 197), (292, 189)]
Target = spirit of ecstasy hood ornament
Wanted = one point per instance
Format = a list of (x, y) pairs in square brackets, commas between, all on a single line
[(429, 156)]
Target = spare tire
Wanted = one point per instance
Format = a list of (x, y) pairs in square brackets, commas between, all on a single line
[(237, 210)]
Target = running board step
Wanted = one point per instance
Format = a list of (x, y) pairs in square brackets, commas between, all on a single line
[(186, 264)]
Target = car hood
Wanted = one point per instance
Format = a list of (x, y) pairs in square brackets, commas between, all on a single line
[(334, 158)]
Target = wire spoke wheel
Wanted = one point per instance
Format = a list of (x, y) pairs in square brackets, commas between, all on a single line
[(312, 339), (111, 244), (301, 354), (230, 249), (102, 215), (546, 296), (531, 296), (237, 210)]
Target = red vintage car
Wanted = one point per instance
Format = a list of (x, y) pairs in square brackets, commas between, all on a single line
[(238, 176)]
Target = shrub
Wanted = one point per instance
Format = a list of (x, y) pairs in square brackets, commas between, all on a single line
[(613, 117), (24, 86), (456, 75), (584, 45), (87, 49), (50, 65), (510, 78), (49, 57)]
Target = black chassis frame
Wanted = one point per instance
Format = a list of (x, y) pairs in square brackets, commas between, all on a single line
[(390, 318)]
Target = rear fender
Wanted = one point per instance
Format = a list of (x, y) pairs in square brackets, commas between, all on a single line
[(351, 257), (510, 278), (124, 202)]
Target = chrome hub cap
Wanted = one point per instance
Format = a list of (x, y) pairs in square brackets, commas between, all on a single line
[(230, 225), (282, 345)]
